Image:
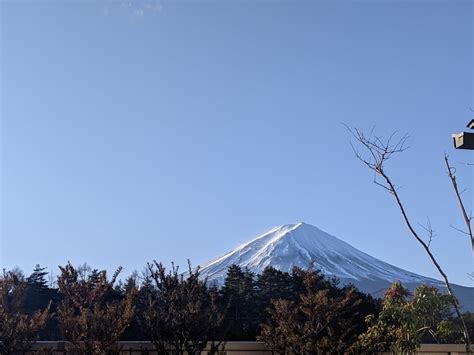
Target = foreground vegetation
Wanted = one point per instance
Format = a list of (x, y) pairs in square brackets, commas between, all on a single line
[(301, 312)]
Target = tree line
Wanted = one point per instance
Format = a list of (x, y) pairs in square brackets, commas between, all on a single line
[(300, 312)]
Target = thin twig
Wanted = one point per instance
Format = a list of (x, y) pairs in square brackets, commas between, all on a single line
[(429, 230), (379, 151), (467, 217)]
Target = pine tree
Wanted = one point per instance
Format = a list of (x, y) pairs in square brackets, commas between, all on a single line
[(94, 276), (239, 297), (273, 284), (37, 278), (37, 293)]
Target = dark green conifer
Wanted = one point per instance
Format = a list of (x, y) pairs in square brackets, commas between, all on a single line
[(37, 278)]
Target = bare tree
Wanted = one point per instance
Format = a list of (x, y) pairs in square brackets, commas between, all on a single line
[(375, 152)]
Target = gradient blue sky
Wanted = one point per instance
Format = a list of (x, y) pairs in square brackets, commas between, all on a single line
[(144, 130)]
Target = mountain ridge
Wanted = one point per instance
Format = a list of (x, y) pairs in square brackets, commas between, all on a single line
[(302, 244)]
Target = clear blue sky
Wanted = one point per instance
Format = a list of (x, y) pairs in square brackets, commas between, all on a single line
[(169, 130)]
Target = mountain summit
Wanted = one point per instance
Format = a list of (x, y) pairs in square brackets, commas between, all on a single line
[(302, 244)]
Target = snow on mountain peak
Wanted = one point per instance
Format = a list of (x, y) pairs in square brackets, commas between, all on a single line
[(284, 247), (302, 244)]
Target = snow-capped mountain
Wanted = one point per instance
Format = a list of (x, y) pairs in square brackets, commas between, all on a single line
[(301, 244)]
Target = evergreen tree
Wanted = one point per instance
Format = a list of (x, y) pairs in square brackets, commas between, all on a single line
[(39, 296), (239, 297), (37, 278), (94, 276), (272, 284)]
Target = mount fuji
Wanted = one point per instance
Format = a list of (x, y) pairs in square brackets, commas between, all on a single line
[(302, 244)]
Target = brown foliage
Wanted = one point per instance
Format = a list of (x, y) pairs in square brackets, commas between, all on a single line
[(90, 315), (17, 330), (286, 331), (180, 313), (323, 320)]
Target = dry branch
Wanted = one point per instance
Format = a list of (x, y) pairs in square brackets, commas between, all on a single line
[(378, 151), (467, 217)]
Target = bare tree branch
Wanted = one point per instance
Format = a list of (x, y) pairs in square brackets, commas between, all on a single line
[(377, 152), (429, 230), (459, 230), (467, 217)]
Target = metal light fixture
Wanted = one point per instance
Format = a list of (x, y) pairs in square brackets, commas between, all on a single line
[(465, 140), (471, 124)]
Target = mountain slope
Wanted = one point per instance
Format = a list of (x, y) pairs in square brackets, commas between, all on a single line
[(301, 244)]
